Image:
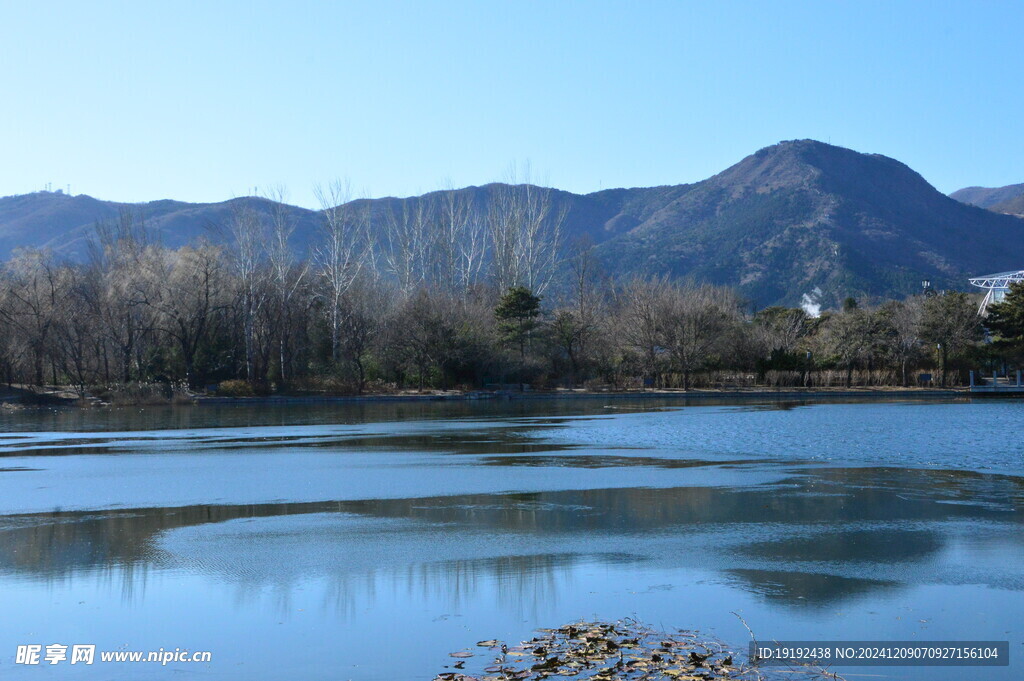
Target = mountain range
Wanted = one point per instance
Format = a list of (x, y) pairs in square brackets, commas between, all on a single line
[(800, 220)]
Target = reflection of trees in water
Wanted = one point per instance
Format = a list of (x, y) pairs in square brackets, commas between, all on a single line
[(53, 544), (355, 412), (827, 519), (522, 586), (491, 440), (562, 460), (494, 439)]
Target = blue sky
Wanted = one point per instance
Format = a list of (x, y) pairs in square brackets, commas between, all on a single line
[(202, 101)]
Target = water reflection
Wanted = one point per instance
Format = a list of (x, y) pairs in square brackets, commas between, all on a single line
[(240, 416), (607, 461), (498, 518), (811, 589), (494, 439), (803, 539)]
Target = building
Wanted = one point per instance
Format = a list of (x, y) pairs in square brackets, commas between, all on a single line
[(997, 285)]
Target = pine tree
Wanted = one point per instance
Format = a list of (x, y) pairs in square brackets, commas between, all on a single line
[(517, 314)]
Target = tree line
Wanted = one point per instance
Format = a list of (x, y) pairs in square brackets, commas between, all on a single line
[(437, 293)]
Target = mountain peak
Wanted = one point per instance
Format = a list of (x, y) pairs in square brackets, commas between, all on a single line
[(802, 215), (808, 162), (834, 169)]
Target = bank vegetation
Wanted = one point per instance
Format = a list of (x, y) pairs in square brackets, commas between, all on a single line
[(439, 296)]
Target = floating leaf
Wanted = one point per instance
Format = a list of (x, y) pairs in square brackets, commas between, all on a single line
[(626, 650)]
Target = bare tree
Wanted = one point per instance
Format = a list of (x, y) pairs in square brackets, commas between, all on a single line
[(188, 290), (460, 242), (950, 321), (525, 227), (31, 303), (902, 335), (286, 272), (576, 329), (365, 307), (851, 336), (116, 263), (779, 330), (408, 243), (700, 321), (341, 253), (248, 236), (643, 311), (76, 337)]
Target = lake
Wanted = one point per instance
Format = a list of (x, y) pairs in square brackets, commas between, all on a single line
[(367, 541)]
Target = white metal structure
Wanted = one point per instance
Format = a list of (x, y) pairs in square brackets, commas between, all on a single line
[(997, 286)]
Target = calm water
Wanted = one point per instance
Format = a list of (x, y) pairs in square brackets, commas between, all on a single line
[(368, 541)]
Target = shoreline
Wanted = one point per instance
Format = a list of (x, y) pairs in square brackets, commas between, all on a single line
[(21, 398), (583, 395)]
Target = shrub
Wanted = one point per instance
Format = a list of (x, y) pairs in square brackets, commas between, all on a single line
[(235, 387)]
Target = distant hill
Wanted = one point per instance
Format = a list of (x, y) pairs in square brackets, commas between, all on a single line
[(804, 215), (796, 219), (1014, 206), (66, 223), (988, 197)]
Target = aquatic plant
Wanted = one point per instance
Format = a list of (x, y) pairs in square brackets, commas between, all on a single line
[(623, 650)]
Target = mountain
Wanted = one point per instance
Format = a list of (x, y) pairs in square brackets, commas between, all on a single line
[(988, 197), (800, 218), (1014, 206), (803, 215), (66, 223)]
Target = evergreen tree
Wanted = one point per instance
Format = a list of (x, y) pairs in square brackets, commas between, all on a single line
[(1005, 321), (1006, 318), (517, 314)]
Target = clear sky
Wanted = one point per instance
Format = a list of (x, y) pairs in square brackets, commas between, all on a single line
[(201, 101)]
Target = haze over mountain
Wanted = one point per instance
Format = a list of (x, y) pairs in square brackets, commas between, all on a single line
[(800, 218)]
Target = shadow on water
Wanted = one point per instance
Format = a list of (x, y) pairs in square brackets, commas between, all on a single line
[(884, 545), (790, 588)]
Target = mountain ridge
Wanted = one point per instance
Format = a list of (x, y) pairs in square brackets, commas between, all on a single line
[(989, 197), (788, 220)]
